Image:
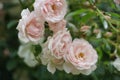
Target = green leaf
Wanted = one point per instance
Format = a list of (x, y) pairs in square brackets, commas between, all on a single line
[(36, 50), (11, 24), (9, 6), (107, 45), (77, 12), (26, 4), (100, 53), (87, 17), (11, 64), (114, 14)]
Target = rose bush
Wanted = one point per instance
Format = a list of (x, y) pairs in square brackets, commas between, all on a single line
[(59, 51), (85, 41)]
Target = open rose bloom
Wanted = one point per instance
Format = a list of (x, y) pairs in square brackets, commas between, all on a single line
[(54, 50), (51, 10), (30, 28), (52, 62), (58, 44), (81, 57), (59, 51)]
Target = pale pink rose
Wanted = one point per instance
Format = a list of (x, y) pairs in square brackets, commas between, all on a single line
[(82, 56), (51, 10), (48, 59), (55, 27), (58, 44), (26, 53), (30, 28)]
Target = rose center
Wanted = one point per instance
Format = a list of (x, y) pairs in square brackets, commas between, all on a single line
[(56, 6), (53, 7), (80, 55), (33, 29)]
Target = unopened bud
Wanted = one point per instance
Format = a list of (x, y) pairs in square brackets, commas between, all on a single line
[(84, 28), (107, 17), (108, 34), (96, 31)]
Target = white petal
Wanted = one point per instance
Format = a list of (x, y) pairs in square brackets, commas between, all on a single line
[(75, 71), (25, 13), (30, 62), (59, 67), (23, 50), (44, 60), (67, 67), (51, 68), (88, 71), (22, 38)]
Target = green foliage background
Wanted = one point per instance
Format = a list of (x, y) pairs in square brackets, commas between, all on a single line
[(80, 13)]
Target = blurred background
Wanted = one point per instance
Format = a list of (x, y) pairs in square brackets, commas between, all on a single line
[(80, 13)]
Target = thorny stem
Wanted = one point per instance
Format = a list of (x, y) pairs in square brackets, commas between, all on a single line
[(113, 43), (114, 29), (102, 15)]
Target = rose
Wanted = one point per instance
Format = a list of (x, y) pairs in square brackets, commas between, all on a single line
[(81, 56), (48, 59), (51, 62), (30, 28), (51, 10), (58, 44), (54, 49), (55, 27), (26, 53)]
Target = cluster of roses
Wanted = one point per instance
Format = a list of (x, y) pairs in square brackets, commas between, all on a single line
[(59, 51)]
